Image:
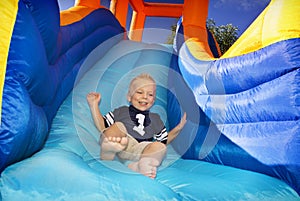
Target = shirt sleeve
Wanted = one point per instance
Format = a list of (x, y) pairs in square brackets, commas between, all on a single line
[(109, 118), (162, 136)]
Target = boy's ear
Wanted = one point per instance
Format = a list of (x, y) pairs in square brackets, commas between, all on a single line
[(128, 98)]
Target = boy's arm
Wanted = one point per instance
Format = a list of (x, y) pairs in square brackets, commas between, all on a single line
[(176, 130), (93, 100)]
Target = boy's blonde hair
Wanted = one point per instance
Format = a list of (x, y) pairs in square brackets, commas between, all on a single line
[(139, 81)]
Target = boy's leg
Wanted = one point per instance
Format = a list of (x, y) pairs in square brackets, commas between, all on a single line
[(150, 159), (113, 140)]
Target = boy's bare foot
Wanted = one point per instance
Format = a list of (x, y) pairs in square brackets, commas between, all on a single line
[(146, 166), (112, 145)]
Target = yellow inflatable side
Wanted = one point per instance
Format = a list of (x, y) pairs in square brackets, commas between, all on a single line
[(272, 25), (8, 12)]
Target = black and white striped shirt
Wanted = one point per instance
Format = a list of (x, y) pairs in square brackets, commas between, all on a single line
[(143, 126)]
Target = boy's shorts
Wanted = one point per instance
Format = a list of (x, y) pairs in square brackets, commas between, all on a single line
[(134, 149)]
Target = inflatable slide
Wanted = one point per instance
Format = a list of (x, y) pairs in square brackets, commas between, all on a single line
[(241, 140)]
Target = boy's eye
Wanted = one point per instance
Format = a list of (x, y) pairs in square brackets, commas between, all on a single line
[(150, 94), (139, 92)]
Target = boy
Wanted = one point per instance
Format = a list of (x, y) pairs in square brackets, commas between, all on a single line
[(134, 133)]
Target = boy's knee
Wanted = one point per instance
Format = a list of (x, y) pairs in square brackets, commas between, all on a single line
[(120, 126), (116, 130), (157, 146)]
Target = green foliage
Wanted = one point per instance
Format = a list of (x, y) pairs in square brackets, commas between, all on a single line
[(225, 35), (172, 36)]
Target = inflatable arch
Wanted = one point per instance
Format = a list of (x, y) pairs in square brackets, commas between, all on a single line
[(242, 138)]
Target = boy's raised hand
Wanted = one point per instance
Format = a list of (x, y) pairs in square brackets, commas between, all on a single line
[(93, 98)]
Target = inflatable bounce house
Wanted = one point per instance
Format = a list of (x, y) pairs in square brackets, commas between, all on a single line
[(242, 136)]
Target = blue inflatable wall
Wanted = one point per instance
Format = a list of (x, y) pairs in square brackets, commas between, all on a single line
[(36, 84), (249, 109)]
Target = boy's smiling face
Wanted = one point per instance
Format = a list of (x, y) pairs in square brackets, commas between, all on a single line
[(143, 97)]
